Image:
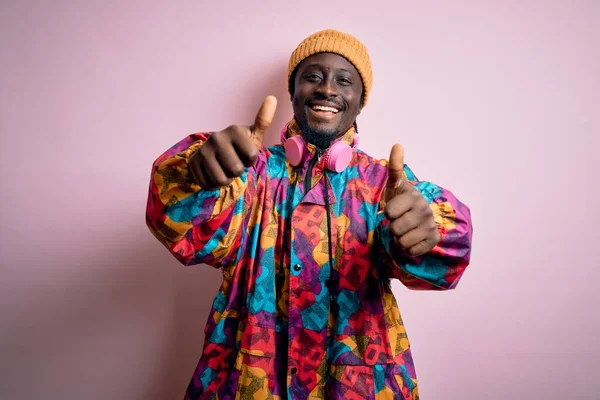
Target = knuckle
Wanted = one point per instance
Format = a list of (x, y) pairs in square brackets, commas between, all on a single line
[(221, 134), (235, 169), (231, 128), (424, 208), (388, 210), (223, 181), (238, 169), (238, 131), (251, 155), (420, 248), (395, 228), (415, 251), (214, 142), (403, 242), (224, 135)]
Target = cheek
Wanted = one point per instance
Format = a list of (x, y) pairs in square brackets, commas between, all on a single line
[(296, 103), (356, 101), (353, 110), (353, 100), (299, 97)]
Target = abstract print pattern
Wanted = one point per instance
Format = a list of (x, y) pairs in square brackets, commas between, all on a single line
[(285, 322)]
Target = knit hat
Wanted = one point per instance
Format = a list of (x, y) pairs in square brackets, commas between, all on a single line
[(333, 41)]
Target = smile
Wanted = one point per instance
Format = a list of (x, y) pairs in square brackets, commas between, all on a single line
[(325, 108)]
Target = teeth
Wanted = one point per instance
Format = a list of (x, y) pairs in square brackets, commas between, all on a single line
[(325, 108)]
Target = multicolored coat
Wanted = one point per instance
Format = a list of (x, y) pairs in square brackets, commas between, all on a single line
[(286, 323)]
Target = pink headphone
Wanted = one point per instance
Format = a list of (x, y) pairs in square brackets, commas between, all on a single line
[(337, 156)]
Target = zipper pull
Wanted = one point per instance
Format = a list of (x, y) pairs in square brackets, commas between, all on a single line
[(319, 153)]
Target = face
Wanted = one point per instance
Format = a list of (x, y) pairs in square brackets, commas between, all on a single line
[(327, 97)]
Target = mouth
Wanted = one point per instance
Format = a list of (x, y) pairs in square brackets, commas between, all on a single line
[(324, 112)]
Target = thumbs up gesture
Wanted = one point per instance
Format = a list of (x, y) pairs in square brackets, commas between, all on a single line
[(411, 219), (226, 153)]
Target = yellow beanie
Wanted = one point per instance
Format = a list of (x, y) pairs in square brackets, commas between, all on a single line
[(333, 41)]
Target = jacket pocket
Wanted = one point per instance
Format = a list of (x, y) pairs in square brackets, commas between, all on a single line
[(255, 364), (395, 381), (258, 341), (363, 348)]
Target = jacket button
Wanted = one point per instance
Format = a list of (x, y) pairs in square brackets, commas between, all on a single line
[(297, 267)]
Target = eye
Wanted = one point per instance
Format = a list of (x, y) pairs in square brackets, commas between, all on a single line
[(312, 77), (345, 79)]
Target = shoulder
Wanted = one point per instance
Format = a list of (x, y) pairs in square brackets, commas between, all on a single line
[(377, 166), (371, 171), (366, 162)]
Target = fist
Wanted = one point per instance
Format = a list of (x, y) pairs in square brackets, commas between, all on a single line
[(226, 153), (411, 219)]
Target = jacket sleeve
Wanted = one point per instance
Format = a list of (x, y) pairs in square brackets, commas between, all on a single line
[(196, 225), (443, 266)]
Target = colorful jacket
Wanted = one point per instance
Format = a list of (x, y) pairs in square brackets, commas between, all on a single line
[(285, 323)]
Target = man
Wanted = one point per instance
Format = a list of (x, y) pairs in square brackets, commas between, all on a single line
[(308, 235)]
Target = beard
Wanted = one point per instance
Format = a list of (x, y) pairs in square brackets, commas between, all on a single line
[(320, 138)]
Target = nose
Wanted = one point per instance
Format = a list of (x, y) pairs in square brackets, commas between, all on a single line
[(327, 88)]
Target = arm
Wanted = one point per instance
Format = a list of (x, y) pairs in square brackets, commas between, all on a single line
[(424, 231), (200, 202), (441, 267), (198, 225)]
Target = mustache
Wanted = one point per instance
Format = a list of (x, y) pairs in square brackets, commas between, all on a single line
[(325, 102)]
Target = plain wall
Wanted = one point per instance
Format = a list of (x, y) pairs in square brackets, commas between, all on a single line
[(496, 100)]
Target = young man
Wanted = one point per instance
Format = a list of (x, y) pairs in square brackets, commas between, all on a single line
[(308, 235)]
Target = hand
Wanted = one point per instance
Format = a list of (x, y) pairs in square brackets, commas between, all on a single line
[(226, 153), (411, 219)]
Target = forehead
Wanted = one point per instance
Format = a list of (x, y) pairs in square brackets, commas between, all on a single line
[(327, 61)]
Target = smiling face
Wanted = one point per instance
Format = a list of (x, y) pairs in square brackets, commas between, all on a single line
[(326, 97)]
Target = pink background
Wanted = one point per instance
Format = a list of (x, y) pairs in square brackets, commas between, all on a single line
[(497, 101)]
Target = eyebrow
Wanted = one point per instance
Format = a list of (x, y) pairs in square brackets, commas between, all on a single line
[(320, 66)]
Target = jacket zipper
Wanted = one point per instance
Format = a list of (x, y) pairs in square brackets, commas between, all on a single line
[(309, 170)]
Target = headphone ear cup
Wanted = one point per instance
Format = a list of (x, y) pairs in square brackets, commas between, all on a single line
[(338, 157), (294, 149)]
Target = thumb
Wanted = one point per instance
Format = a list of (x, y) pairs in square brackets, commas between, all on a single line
[(395, 171), (263, 120)]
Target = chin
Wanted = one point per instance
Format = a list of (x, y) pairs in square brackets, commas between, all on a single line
[(324, 129), (319, 136)]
